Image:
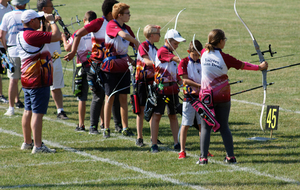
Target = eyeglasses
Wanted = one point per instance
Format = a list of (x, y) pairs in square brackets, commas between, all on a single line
[(225, 39), (127, 13), (156, 33)]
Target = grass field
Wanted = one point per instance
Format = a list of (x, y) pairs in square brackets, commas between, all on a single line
[(84, 161)]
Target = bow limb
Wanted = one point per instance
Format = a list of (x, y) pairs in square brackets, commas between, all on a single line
[(177, 18), (195, 45), (261, 59), (116, 91), (137, 35)]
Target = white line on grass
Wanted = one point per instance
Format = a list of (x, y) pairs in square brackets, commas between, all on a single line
[(245, 169), (3, 147), (234, 167), (106, 160), (45, 164), (257, 104)]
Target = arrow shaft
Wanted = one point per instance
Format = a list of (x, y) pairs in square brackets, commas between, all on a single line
[(250, 89), (283, 67)]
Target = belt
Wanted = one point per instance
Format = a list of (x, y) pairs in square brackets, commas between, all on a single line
[(148, 80), (114, 57), (190, 97), (169, 84)]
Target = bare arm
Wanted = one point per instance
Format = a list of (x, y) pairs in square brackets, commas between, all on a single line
[(176, 59), (79, 34), (189, 82), (147, 61), (67, 46), (3, 39), (54, 28), (128, 37)]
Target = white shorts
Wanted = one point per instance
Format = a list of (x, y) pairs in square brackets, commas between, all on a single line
[(17, 69), (58, 77), (188, 115)]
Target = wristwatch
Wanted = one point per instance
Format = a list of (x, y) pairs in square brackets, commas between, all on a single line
[(52, 22)]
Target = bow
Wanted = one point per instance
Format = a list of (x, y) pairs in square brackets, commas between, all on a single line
[(177, 18), (172, 19), (71, 24), (261, 59), (195, 45), (62, 24)]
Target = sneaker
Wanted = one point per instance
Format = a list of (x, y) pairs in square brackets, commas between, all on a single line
[(139, 142), (158, 141), (230, 160), (182, 155), (19, 104), (27, 146), (93, 130), (62, 115), (102, 126), (80, 129), (3, 99), (127, 132), (106, 133), (42, 149), (210, 155), (154, 148), (202, 161), (9, 112), (177, 146), (118, 128)]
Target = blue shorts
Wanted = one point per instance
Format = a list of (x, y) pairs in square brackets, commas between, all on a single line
[(37, 99)]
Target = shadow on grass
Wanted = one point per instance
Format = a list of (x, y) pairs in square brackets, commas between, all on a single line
[(146, 184), (107, 184)]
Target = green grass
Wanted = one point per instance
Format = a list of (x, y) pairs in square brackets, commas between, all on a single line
[(83, 161)]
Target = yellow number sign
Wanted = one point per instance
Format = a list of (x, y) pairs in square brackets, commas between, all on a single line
[(272, 117)]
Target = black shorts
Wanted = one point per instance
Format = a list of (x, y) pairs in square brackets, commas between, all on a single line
[(2, 70), (142, 92), (161, 104), (116, 81)]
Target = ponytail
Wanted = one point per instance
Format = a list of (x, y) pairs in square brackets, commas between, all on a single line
[(214, 38)]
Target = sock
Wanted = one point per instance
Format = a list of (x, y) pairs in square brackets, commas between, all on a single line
[(59, 110), (11, 108), (124, 129)]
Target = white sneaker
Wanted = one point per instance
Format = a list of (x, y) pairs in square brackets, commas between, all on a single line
[(26, 146), (42, 149), (10, 112)]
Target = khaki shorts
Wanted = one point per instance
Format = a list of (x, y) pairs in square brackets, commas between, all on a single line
[(17, 65), (189, 114), (58, 77)]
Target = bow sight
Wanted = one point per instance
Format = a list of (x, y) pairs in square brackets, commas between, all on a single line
[(263, 52)]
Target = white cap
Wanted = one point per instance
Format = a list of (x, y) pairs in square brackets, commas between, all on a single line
[(19, 2), (27, 15), (174, 34)]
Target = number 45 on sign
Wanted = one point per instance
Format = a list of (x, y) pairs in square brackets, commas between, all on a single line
[(272, 118)]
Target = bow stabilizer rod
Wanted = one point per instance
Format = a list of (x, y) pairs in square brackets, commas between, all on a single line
[(250, 89)]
